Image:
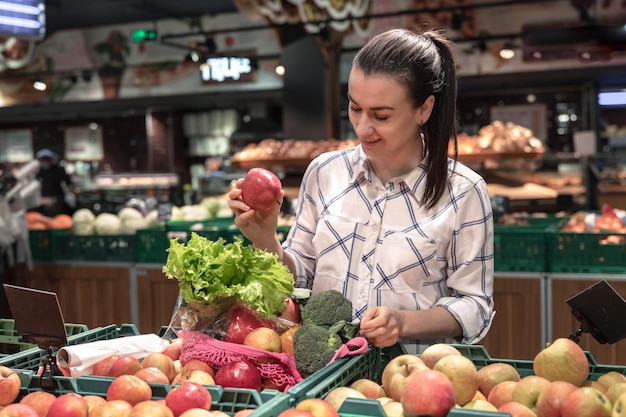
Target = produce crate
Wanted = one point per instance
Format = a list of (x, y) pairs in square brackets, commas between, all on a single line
[(11, 342), (356, 407), (31, 359), (479, 355), (522, 248), (43, 243), (95, 248), (339, 373), (574, 252), (230, 400), (151, 243)]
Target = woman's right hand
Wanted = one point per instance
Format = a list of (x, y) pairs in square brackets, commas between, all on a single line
[(258, 226)]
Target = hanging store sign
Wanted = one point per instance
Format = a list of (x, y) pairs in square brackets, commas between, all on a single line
[(228, 69), (16, 145), (84, 143)]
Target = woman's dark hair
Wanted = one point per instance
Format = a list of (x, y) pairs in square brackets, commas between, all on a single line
[(424, 63)]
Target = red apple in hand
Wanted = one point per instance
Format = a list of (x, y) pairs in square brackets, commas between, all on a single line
[(260, 189), (239, 374), (242, 321)]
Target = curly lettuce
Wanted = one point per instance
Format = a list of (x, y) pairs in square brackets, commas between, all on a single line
[(210, 271)]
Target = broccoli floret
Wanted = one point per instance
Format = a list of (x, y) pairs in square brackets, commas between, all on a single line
[(314, 346), (327, 308)]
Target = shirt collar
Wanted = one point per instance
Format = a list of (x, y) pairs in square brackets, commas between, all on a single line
[(414, 180)]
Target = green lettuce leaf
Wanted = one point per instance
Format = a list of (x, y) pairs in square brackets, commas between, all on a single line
[(210, 271)]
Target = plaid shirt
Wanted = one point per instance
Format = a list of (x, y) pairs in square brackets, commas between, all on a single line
[(379, 245)]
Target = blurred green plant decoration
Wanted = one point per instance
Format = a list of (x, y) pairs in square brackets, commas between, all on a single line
[(116, 48)]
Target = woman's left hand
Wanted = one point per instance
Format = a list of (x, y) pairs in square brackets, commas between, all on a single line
[(381, 326)]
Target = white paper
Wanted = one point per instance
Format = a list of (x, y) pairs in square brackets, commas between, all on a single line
[(79, 359)]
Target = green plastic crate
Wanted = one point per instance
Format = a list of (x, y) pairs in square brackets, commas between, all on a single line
[(522, 248), (573, 252), (95, 248), (344, 371), (11, 342), (479, 355), (151, 243), (43, 243), (31, 359)]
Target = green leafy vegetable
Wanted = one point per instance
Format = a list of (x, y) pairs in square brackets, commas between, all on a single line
[(210, 271)]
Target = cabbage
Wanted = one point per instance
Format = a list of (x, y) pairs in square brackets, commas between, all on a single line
[(83, 222), (152, 219), (132, 219), (211, 204), (108, 224), (195, 213)]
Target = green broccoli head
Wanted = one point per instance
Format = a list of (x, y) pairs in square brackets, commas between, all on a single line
[(327, 308), (314, 346)]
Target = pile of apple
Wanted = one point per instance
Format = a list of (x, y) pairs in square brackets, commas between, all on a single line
[(127, 396), (442, 378)]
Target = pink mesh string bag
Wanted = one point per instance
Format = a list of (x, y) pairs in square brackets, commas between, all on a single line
[(279, 368)]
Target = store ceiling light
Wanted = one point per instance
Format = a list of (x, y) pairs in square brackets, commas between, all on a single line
[(508, 50), (280, 69), (40, 85)]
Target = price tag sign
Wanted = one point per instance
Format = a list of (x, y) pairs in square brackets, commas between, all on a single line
[(499, 205)]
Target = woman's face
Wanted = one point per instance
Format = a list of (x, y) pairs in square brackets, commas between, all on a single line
[(384, 118)]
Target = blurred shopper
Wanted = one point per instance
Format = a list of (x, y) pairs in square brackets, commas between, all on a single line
[(54, 184), (401, 229)]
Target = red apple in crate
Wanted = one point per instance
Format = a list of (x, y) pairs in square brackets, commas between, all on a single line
[(239, 374), (586, 402), (434, 352), (129, 388), (19, 410), (610, 378), (338, 395), (186, 396), (463, 374), (150, 409), (10, 385), (528, 389), (199, 376), (193, 365), (242, 321), (174, 349), (264, 338), (40, 401), (502, 393), (616, 391), (516, 409), (152, 375), (260, 189), (492, 374), (318, 407), (197, 412), (399, 364), (160, 361), (102, 367), (394, 381), (427, 393), (562, 360), (124, 365), (371, 389), (482, 405), (245, 412), (93, 401), (393, 409), (551, 400), (69, 405), (112, 408)]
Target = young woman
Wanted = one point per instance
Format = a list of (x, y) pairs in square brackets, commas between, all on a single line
[(400, 228)]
